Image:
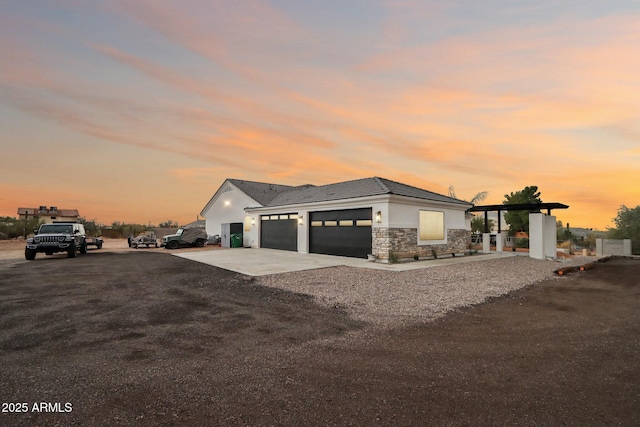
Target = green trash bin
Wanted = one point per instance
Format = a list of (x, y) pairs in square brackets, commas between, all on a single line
[(236, 240)]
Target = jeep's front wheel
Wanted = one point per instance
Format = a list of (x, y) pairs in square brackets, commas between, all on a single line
[(83, 248), (29, 254), (71, 252), (172, 244)]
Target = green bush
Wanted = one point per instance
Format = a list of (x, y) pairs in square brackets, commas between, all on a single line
[(14, 227), (119, 230), (522, 243)]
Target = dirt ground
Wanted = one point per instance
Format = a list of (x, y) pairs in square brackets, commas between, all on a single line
[(14, 249), (144, 338)]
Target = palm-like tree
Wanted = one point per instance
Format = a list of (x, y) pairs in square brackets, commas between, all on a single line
[(474, 200), (477, 198)]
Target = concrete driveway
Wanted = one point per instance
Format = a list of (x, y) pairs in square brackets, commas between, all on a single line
[(260, 262)]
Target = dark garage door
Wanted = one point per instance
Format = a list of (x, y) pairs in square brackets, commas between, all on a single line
[(345, 232), (279, 232)]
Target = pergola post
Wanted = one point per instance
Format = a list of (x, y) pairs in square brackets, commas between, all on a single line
[(486, 222)]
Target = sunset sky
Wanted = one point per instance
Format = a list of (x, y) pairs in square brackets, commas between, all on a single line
[(137, 111)]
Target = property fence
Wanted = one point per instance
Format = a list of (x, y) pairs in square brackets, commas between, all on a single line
[(509, 242), (606, 247)]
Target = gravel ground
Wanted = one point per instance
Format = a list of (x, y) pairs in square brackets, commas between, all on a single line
[(140, 338), (391, 299)]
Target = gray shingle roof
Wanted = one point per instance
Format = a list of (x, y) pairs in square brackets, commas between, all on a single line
[(353, 189), (410, 191), (261, 192)]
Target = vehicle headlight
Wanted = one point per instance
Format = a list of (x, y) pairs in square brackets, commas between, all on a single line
[(36, 239), (62, 238)]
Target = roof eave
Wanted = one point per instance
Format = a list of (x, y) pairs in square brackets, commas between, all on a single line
[(460, 204), (293, 206), (217, 194)]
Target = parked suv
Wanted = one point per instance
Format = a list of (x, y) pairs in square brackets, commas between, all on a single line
[(185, 237), (66, 237)]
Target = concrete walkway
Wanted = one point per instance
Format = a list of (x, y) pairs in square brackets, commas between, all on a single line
[(261, 262)]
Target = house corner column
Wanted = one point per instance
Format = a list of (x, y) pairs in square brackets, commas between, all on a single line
[(380, 243)]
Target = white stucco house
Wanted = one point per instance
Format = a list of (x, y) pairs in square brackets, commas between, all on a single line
[(49, 215), (353, 218)]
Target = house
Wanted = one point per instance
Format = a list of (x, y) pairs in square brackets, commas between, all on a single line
[(354, 218), (49, 215)]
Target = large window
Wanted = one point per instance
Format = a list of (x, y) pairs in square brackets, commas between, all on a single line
[(431, 225)]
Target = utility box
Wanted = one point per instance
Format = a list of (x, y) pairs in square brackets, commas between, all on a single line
[(227, 230)]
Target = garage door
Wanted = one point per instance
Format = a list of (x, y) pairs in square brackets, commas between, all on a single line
[(279, 231), (343, 232)]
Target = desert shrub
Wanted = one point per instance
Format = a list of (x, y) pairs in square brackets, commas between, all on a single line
[(13, 227)]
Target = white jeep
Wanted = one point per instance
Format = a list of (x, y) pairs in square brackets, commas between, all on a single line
[(66, 237)]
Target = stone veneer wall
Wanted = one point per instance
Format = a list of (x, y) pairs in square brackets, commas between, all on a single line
[(403, 243)]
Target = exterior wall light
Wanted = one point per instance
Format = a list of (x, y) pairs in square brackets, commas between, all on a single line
[(378, 217), (300, 222), (253, 221), (227, 203)]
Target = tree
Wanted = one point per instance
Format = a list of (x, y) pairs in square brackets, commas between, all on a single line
[(118, 230), (519, 220), (91, 227), (562, 233), (475, 199), (168, 224), (9, 227), (627, 226), (13, 227), (477, 224)]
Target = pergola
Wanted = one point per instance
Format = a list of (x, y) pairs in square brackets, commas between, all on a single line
[(531, 207)]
